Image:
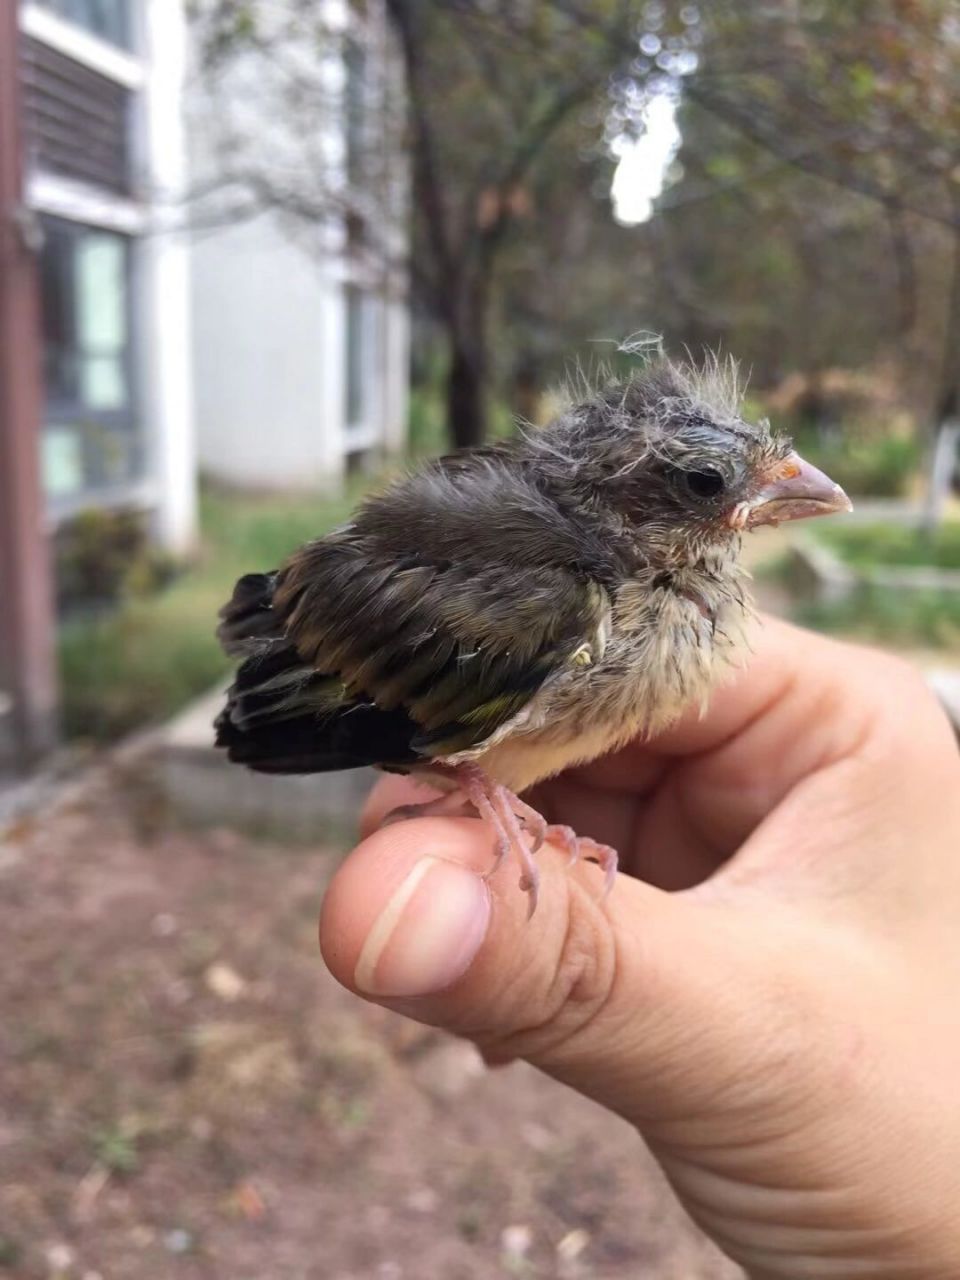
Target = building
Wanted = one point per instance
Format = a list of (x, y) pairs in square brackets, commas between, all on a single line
[(300, 325), (103, 140), (123, 328), (95, 381)]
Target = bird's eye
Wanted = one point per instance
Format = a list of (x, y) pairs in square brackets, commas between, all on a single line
[(704, 484)]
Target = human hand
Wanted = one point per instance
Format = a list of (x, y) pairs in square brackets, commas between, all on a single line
[(770, 992)]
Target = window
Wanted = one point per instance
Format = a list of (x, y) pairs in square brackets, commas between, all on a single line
[(111, 20), (90, 441), (361, 346)]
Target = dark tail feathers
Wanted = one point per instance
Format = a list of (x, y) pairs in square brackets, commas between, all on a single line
[(282, 716)]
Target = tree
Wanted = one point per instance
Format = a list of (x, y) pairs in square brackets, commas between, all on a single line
[(862, 96), (495, 89), (771, 261)]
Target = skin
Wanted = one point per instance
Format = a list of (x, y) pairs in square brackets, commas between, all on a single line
[(770, 991)]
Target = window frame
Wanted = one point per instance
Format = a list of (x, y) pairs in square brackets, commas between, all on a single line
[(126, 44), (126, 423), (62, 412)]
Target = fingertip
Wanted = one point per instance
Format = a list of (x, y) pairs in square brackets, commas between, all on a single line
[(383, 879)]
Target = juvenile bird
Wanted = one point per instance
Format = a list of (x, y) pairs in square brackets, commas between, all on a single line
[(512, 610)]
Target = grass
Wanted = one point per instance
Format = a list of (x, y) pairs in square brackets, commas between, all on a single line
[(868, 545), (899, 619), (141, 663)]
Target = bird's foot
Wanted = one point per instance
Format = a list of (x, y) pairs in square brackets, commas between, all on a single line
[(510, 817), (578, 847), (451, 805), (513, 822)]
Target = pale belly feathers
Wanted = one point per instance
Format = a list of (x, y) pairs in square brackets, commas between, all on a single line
[(652, 668)]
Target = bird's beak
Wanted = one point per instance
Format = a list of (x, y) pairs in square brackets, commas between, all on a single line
[(795, 491)]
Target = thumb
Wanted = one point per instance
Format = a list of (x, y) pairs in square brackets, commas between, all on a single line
[(616, 996)]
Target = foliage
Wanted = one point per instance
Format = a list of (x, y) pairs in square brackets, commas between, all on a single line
[(816, 216), (149, 657), (902, 618), (427, 435), (10, 1252), (116, 1149), (811, 219), (864, 545), (508, 110), (426, 430), (860, 93), (102, 555), (867, 466)]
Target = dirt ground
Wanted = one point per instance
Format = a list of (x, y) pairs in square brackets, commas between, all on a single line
[(186, 1093)]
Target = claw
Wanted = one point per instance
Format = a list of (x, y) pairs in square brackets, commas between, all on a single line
[(578, 847), (606, 859), (567, 839), (533, 822), (518, 828)]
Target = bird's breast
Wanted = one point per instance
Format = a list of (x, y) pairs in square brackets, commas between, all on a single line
[(666, 650)]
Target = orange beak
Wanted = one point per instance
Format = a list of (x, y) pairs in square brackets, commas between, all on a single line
[(795, 492)]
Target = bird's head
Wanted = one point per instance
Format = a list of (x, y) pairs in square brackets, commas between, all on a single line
[(669, 453)]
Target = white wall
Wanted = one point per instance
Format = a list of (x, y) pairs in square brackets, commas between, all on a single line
[(268, 359), (268, 304), (166, 370)]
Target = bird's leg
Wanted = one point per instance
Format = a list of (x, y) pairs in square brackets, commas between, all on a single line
[(452, 804), (503, 812), (578, 847), (475, 787), (472, 777), (530, 878), (493, 803)]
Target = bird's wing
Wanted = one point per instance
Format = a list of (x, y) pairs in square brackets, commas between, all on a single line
[(418, 630), (460, 651)]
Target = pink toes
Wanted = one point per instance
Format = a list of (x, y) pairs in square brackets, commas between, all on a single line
[(578, 847), (513, 823)]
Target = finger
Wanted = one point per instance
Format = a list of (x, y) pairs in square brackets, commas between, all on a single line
[(671, 858), (617, 997), (391, 791), (686, 1014)]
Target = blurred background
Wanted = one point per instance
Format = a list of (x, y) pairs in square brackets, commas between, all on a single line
[(255, 256)]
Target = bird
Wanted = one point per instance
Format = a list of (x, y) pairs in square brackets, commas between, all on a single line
[(509, 611)]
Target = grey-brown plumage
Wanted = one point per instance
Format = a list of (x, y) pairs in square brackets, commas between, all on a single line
[(521, 607)]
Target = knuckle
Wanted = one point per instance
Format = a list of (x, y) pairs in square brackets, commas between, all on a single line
[(565, 990)]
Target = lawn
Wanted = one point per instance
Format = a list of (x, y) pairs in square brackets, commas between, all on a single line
[(896, 619), (142, 662), (868, 545), (902, 619)]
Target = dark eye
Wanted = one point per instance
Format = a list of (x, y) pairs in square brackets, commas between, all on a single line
[(704, 484)]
